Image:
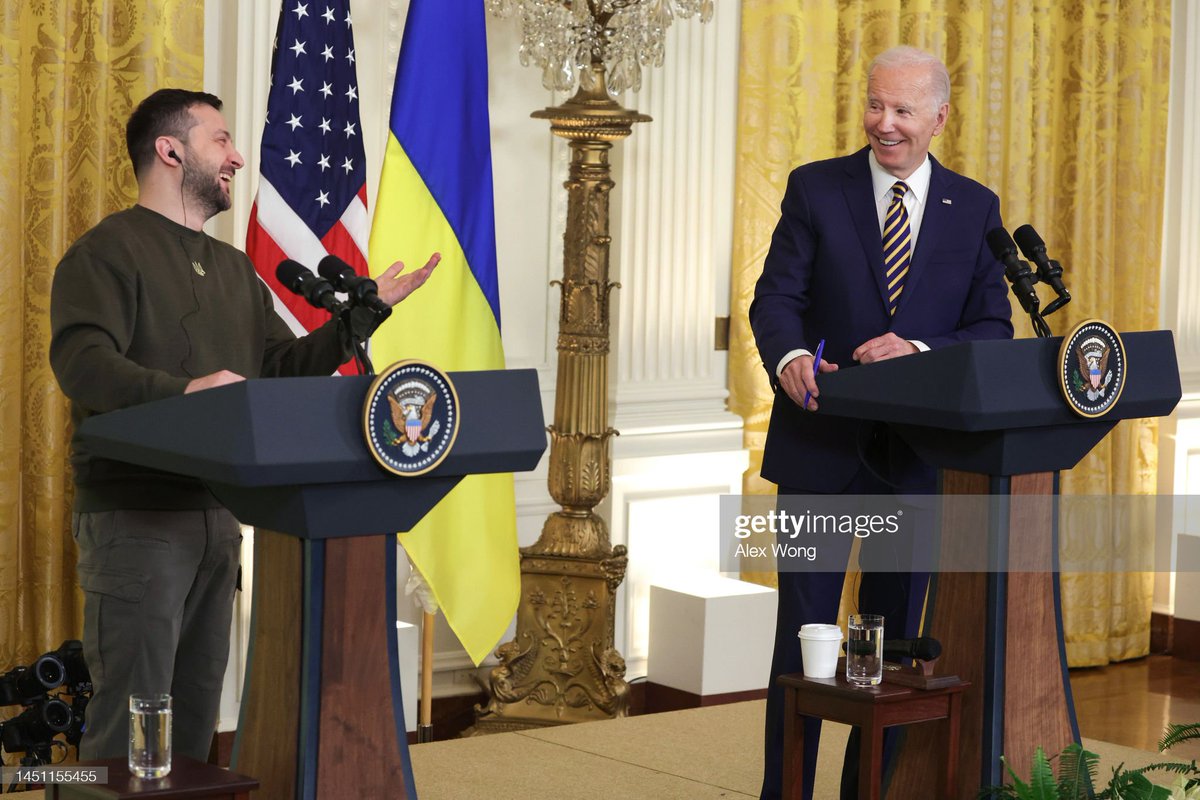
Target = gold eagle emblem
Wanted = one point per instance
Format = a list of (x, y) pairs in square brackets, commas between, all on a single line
[(1092, 356), (411, 422)]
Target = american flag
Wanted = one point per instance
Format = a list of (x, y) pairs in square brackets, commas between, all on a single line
[(312, 194)]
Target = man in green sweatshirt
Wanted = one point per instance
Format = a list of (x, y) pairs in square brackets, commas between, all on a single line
[(145, 306)]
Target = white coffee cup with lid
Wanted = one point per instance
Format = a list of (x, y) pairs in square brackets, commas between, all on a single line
[(819, 645)]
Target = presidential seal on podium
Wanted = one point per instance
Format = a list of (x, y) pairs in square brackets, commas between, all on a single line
[(1092, 368), (410, 418)]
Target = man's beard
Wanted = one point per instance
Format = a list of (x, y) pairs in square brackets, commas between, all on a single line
[(203, 189)]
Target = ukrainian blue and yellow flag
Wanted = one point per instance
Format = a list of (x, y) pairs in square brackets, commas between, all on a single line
[(435, 194)]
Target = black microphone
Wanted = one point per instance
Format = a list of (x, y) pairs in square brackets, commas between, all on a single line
[(923, 648), (1049, 272), (299, 279), (1017, 271), (360, 289)]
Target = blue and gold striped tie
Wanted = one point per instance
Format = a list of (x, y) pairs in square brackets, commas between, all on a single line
[(897, 246)]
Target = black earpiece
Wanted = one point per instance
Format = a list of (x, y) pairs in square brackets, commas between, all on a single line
[(174, 155)]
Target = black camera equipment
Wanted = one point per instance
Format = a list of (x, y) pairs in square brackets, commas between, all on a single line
[(35, 731), (76, 678), (24, 685)]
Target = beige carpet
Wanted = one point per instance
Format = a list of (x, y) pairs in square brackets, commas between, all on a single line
[(685, 755), (700, 753)]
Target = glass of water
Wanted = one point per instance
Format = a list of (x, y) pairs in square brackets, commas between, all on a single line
[(150, 735), (864, 650)]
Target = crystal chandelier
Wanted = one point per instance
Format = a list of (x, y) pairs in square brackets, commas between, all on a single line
[(565, 37)]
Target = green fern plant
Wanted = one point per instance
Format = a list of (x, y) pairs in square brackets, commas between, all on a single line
[(1076, 771), (1178, 733), (1076, 775)]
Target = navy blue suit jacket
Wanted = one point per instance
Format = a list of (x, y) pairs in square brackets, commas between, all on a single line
[(823, 279)]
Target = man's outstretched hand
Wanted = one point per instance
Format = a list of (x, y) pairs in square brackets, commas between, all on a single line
[(394, 287)]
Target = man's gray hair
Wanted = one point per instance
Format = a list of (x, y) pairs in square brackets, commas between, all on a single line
[(906, 56)]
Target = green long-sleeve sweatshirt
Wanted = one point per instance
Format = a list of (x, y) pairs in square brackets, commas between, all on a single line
[(140, 306)]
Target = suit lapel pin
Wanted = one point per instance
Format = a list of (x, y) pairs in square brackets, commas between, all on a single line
[(947, 201)]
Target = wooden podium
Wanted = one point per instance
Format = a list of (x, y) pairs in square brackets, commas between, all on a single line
[(990, 416), (322, 714)]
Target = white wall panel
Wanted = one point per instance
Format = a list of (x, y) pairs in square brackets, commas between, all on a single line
[(673, 227), (1179, 437), (1181, 233)]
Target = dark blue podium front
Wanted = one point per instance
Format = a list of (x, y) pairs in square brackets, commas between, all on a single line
[(322, 713)]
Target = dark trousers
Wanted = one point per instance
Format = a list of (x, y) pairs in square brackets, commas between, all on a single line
[(158, 602), (806, 597)]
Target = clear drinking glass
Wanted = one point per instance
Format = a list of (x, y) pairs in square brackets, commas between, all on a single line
[(150, 735), (864, 649)]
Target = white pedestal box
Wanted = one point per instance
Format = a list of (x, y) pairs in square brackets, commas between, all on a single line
[(408, 640), (711, 635)]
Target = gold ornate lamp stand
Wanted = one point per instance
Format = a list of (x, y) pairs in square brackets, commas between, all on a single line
[(562, 665)]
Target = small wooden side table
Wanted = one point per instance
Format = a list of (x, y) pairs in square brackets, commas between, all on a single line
[(871, 708), (189, 780)]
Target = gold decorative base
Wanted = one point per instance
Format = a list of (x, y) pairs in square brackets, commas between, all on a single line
[(562, 665)]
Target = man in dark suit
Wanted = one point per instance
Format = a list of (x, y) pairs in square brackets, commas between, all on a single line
[(881, 254)]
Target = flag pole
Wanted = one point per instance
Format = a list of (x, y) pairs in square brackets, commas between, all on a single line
[(425, 723)]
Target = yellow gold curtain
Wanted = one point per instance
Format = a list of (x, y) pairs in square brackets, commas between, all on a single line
[(70, 73), (1058, 106)]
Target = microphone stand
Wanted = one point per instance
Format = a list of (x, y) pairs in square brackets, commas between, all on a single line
[(1039, 325), (1053, 276), (1022, 279), (320, 293), (364, 361), (1038, 319), (360, 342), (1055, 305)]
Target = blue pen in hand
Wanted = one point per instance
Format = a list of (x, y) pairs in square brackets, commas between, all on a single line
[(816, 368)]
